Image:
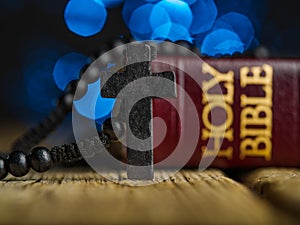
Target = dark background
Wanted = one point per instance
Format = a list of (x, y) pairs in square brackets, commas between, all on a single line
[(280, 29), (29, 25)]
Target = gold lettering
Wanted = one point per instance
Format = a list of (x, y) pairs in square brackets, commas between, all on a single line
[(217, 137), (253, 116), (211, 131), (250, 147), (256, 115), (205, 116), (206, 134), (267, 100), (252, 132), (256, 77), (218, 78), (221, 153)]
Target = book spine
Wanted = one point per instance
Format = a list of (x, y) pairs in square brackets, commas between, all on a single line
[(261, 123)]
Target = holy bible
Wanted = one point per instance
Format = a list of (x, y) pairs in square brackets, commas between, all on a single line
[(257, 112)]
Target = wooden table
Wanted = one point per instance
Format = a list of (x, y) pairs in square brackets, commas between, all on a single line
[(81, 196)]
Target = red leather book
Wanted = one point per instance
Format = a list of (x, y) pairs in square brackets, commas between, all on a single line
[(261, 123)]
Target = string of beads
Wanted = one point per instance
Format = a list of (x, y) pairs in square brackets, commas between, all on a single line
[(64, 105), (41, 159)]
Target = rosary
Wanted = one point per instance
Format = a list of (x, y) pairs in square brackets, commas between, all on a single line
[(41, 159), (199, 17)]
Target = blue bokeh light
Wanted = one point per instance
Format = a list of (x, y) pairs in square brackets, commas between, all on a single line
[(173, 32), (92, 105), (128, 8), (193, 21), (159, 21), (159, 16), (178, 11), (141, 37), (85, 17), (222, 42), (239, 24), (205, 13), (152, 1), (190, 2), (110, 3), (67, 68), (40, 88), (255, 10), (142, 13)]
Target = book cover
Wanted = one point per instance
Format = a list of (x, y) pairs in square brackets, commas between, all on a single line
[(261, 122)]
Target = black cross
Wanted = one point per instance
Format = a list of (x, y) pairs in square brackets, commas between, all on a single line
[(141, 113)]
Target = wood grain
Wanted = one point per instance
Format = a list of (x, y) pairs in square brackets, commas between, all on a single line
[(83, 197)]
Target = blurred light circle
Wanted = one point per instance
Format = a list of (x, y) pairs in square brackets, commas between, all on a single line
[(239, 24), (39, 56), (222, 42), (110, 3), (190, 2), (204, 16), (67, 68), (152, 1), (178, 11), (85, 17), (140, 19), (128, 8), (255, 10), (141, 37), (93, 106), (173, 32), (158, 17), (40, 88)]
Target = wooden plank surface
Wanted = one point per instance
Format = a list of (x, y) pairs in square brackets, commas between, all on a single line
[(84, 197), (80, 196), (281, 186)]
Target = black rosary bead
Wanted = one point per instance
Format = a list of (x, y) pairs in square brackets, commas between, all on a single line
[(66, 102), (81, 89), (83, 69), (18, 164), (92, 75), (77, 86), (107, 128), (3, 170), (40, 159), (71, 87)]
